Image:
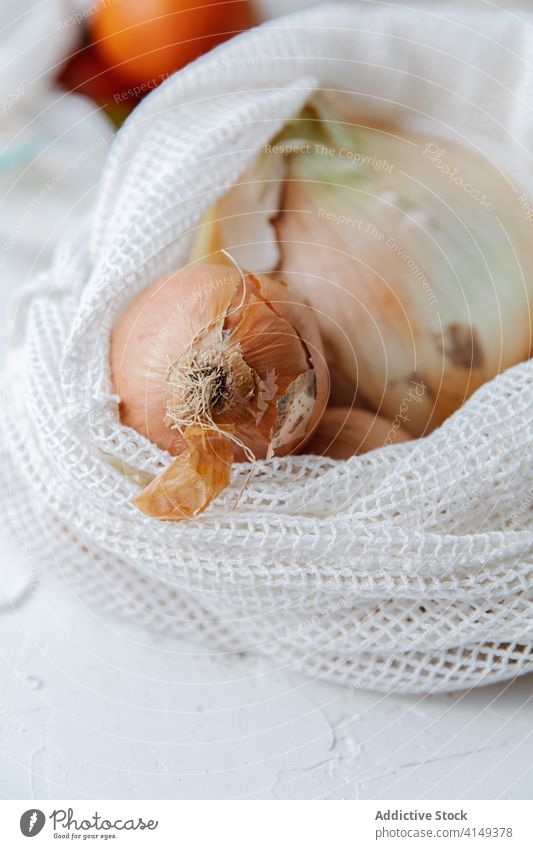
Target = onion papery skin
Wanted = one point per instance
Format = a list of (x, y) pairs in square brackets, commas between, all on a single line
[(275, 335), (345, 432)]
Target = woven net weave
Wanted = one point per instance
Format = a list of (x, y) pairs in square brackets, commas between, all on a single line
[(408, 568)]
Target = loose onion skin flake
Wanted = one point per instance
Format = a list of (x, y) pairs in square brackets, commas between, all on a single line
[(215, 366), (344, 432), (197, 476)]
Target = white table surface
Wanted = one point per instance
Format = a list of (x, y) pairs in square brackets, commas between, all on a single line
[(94, 708), (91, 707)]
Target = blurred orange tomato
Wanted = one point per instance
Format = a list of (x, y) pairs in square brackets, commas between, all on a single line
[(145, 40), (84, 73)]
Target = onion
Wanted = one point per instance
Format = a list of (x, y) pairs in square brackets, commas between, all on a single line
[(344, 432), (215, 366), (243, 219), (415, 255), (417, 260)]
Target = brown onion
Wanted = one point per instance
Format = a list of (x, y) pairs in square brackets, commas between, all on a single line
[(344, 432), (216, 366)]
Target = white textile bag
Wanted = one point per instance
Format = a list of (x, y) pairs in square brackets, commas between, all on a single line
[(406, 569)]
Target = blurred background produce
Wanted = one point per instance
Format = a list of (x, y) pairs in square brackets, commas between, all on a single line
[(128, 47), (62, 96)]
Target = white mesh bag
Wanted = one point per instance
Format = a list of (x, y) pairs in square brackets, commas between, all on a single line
[(406, 569)]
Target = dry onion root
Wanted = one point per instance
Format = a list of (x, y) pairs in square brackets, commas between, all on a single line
[(215, 366), (344, 432)]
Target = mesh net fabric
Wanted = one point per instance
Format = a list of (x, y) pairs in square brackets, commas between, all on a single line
[(406, 569)]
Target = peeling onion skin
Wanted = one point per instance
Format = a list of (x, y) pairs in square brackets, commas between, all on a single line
[(157, 327), (344, 432)]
